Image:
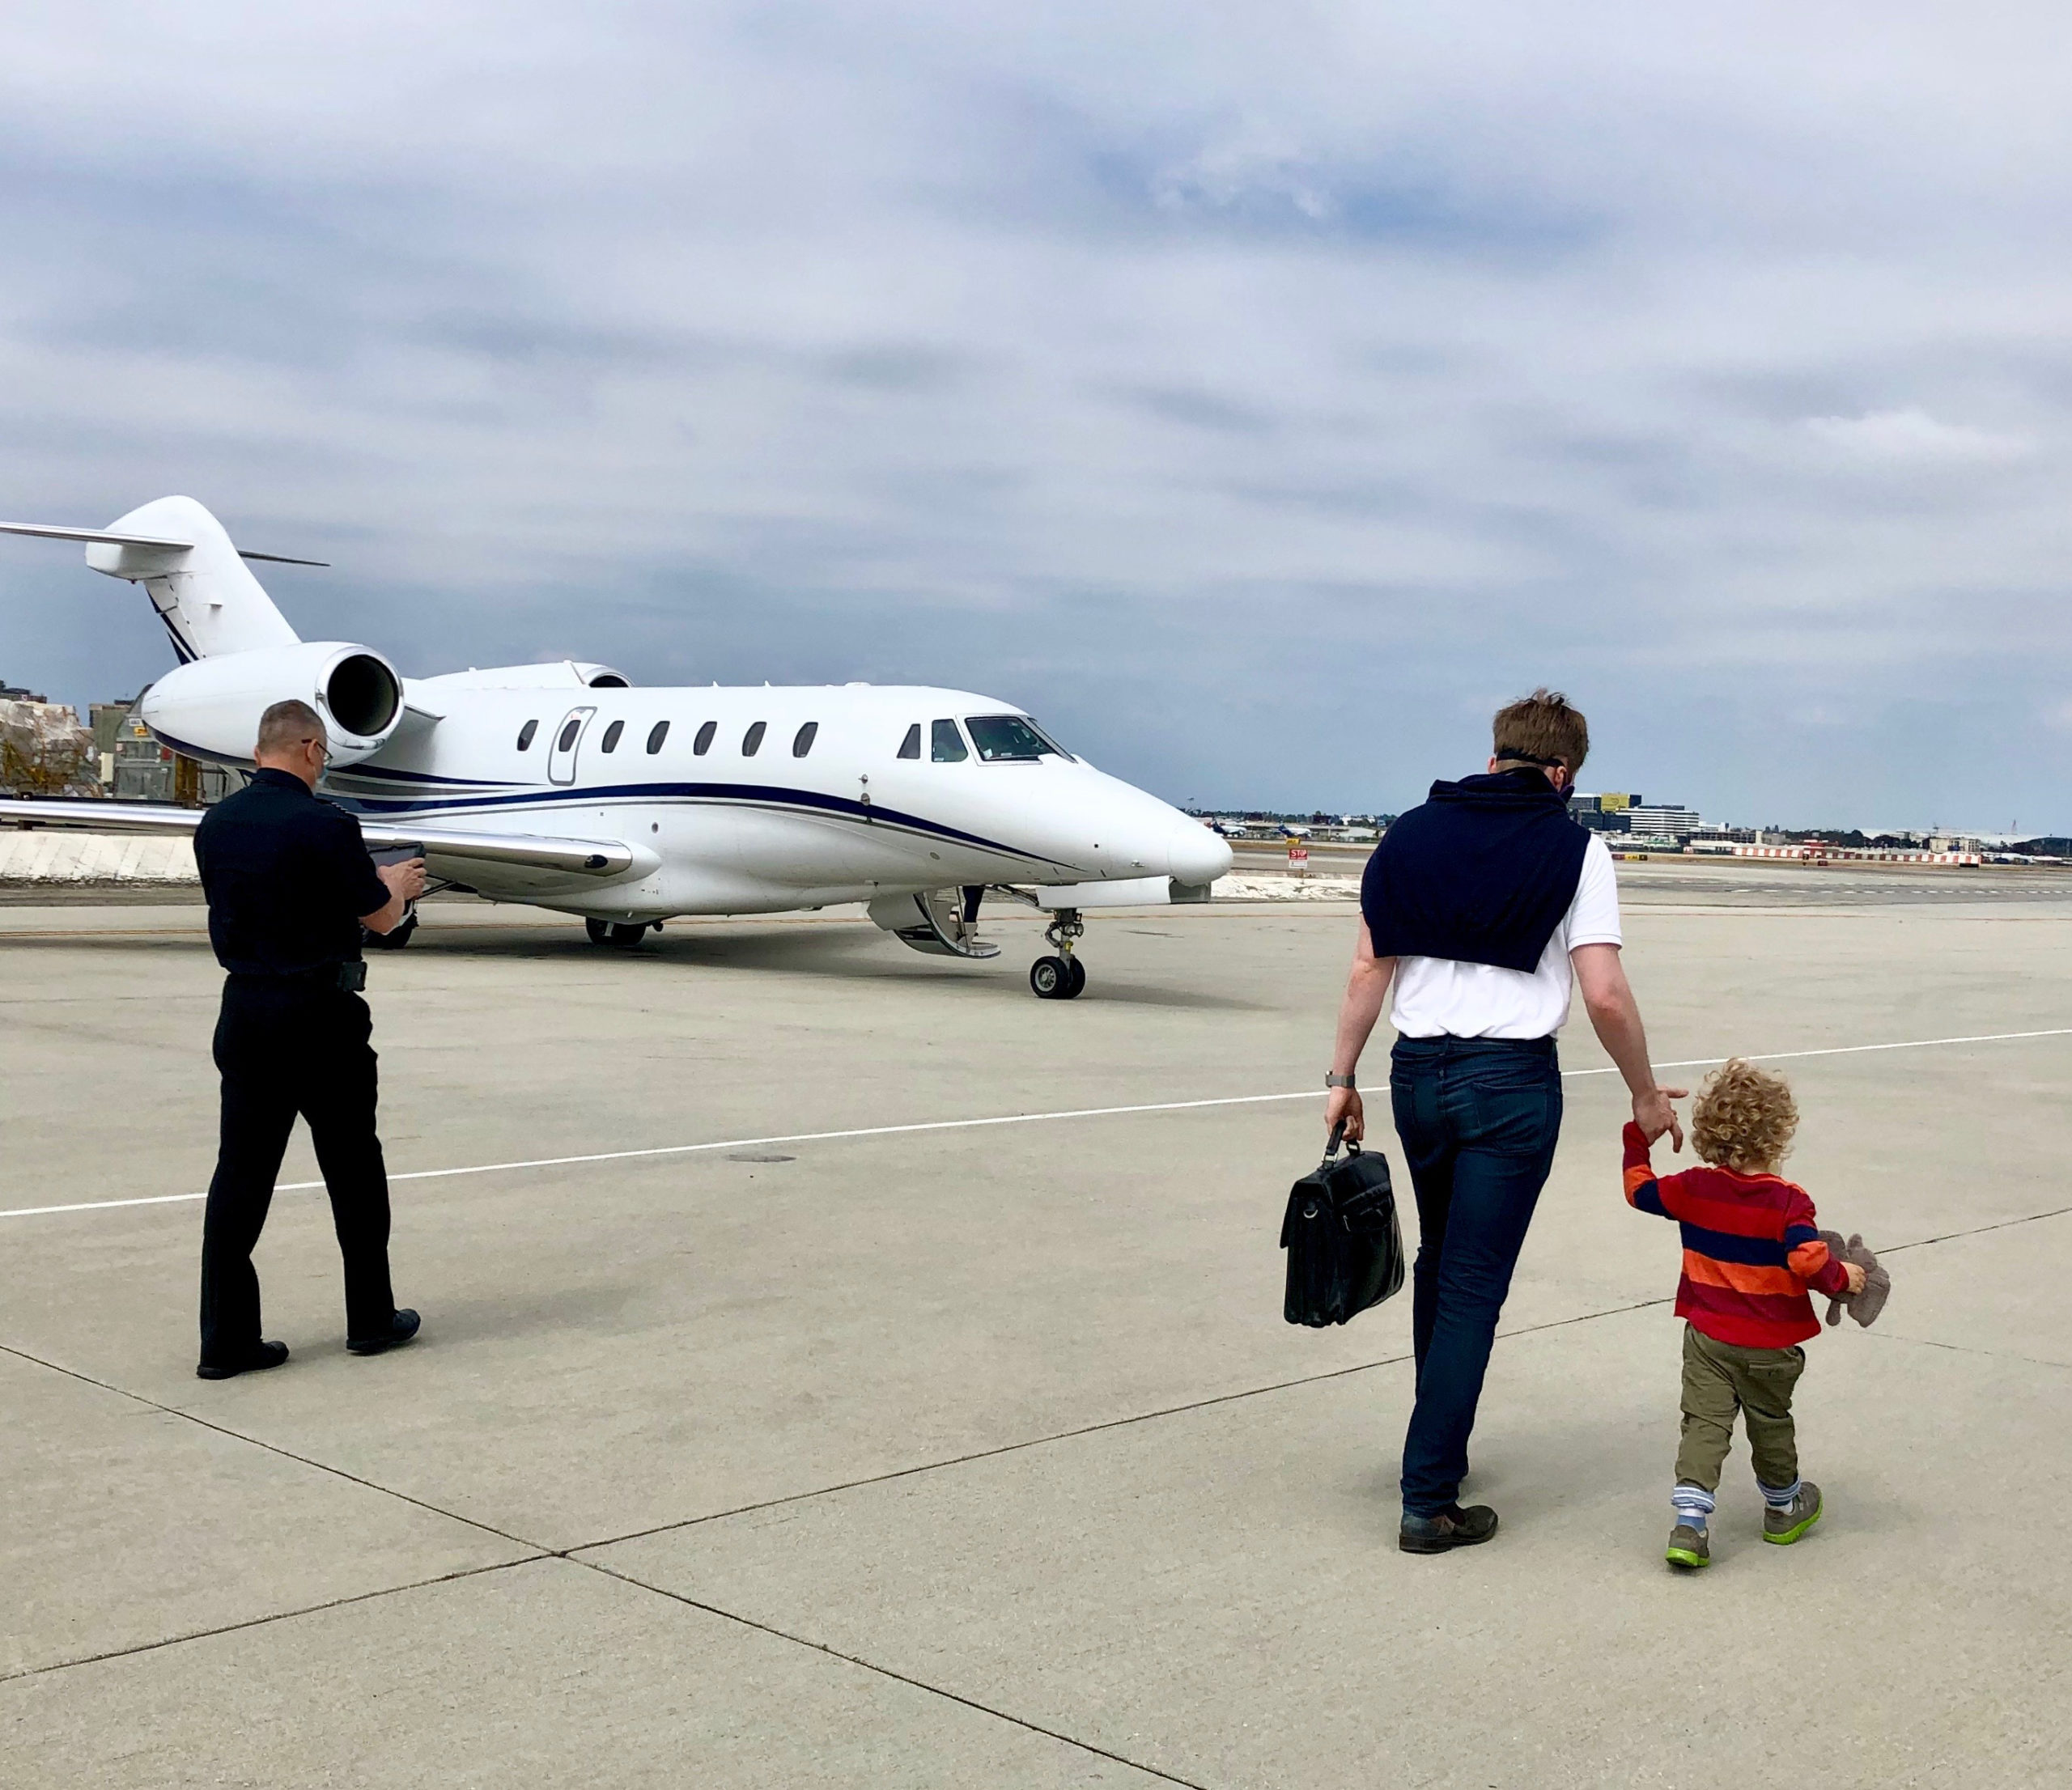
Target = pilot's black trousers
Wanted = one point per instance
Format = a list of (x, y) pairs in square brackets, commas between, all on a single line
[(285, 1047)]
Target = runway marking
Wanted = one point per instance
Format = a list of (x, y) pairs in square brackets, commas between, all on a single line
[(1002, 1119)]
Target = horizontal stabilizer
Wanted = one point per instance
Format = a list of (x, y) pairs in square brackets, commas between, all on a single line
[(451, 855), (107, 537)]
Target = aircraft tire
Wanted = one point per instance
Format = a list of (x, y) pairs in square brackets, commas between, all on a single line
[(611, 933), (1078, 979), (1050, 978)]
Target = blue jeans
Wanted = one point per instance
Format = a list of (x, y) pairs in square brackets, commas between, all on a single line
[(1478, 1118)]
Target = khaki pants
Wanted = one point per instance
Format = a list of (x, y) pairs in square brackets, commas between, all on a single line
[(1720, 1378)]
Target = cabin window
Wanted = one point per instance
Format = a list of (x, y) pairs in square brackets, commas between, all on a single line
[(946, 744), (703, 743), (752, 741), (911, 746), (802, 740), (1009, 737), (656, 735), (611, 735), (568, 736), (526, 734)]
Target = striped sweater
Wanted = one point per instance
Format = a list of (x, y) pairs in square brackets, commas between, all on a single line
[(1751, 1250)]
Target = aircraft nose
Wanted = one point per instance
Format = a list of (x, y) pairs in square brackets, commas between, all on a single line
[(1199, 856)]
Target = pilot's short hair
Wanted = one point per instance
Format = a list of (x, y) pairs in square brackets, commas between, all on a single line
[(1542, 729), (287, 724)]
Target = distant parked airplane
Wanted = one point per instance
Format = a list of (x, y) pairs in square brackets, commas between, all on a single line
[(563, 786)]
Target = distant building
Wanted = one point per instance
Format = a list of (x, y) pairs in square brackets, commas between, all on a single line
[(1664, 818)]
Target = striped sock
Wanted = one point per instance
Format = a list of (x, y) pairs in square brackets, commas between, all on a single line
[(1779, 1497), (1694, 1505)]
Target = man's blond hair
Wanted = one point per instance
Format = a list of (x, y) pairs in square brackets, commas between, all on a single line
[(1744, 1117), (1542, 726)]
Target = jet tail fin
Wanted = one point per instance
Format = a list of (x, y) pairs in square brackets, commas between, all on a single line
[(198, 581)]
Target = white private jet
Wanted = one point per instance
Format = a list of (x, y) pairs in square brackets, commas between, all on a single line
[(564, 786)]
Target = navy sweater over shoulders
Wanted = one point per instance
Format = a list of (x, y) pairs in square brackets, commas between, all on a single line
[(1481, 871)]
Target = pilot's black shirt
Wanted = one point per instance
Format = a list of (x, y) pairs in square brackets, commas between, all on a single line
[(287, 878)]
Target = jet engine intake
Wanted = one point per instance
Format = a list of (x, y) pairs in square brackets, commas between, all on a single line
[(210, 708)]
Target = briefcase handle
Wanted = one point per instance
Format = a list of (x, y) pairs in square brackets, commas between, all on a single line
[(1330, 1149)]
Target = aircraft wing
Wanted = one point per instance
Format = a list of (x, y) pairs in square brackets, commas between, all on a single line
[(451, 855)]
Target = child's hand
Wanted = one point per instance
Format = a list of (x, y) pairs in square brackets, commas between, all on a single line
[(1856, 1276)]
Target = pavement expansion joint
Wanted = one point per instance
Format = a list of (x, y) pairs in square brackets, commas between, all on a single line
[(535, 1548), (1961, 1348), (269, 1618), (899, 1677)]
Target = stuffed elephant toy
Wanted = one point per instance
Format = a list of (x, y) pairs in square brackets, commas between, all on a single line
[(1864, 1307)]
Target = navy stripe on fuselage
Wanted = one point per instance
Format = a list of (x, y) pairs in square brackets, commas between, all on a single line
[(761, 794), (377, 773)]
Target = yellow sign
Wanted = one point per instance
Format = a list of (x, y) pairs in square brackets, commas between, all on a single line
[(1613, 804)]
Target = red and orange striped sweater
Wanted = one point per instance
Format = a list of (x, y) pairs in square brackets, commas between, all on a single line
[(1751, 1250)]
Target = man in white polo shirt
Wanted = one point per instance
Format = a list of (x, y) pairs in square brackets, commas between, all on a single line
[(1483, 908)]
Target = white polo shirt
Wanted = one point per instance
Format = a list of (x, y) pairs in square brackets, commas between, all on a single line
[(1437, 997)]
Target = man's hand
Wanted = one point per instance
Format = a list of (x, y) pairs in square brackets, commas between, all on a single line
[(1858, 1275), (404, 882), (1344, 1104), (1654, 1115)]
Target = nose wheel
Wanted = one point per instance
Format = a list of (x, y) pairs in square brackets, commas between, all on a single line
[(1062, 976)]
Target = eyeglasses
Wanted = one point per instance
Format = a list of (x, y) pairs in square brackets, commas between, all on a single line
[(323, 750)]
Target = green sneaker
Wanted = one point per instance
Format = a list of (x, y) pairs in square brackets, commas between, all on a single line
[(1785, 1526), (1689, 1547)]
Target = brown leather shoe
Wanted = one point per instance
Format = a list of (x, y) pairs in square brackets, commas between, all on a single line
[(1452, 1527)]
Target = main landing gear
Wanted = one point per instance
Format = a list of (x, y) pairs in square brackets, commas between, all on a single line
[(1062, 977), (612, 932)]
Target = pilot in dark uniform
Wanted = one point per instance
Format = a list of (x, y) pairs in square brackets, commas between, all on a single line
[(289, 884)]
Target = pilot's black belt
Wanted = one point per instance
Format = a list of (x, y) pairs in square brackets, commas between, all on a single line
[(343, 978)]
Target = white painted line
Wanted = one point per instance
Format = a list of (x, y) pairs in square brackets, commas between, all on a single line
[(973, 1124)]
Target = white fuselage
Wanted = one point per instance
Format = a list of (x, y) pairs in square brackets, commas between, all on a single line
[(725, 821)]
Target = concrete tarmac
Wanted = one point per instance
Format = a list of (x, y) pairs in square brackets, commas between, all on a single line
[(979, 1453)]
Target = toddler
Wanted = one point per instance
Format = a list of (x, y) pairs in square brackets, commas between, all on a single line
[(1751, 1251)]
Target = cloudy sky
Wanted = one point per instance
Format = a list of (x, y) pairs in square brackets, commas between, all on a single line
[(1258, 394)]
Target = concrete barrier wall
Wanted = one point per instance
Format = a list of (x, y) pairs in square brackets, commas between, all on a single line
[(47, 857)]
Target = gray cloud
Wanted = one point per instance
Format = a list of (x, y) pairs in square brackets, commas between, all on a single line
[(1258, 394)]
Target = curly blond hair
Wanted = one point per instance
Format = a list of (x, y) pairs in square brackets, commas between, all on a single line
[(1744, 1117)]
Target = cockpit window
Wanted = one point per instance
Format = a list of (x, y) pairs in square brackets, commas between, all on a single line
[(1009, 737), (946, 743), (911, 746)]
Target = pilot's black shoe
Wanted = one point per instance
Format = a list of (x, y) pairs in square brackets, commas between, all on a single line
[(401, 1328), (266, 1354)]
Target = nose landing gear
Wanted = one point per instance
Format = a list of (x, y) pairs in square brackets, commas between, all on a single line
[(1062, 977)]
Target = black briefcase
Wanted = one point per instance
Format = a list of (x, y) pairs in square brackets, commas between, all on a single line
[(1344, 1246)]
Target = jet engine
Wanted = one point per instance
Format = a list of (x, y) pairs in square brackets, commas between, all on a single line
[(210, 708)]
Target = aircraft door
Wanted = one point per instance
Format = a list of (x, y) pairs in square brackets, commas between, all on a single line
[(567, 742)]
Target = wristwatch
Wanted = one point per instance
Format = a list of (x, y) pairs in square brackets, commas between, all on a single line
[(1338, 1081)]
